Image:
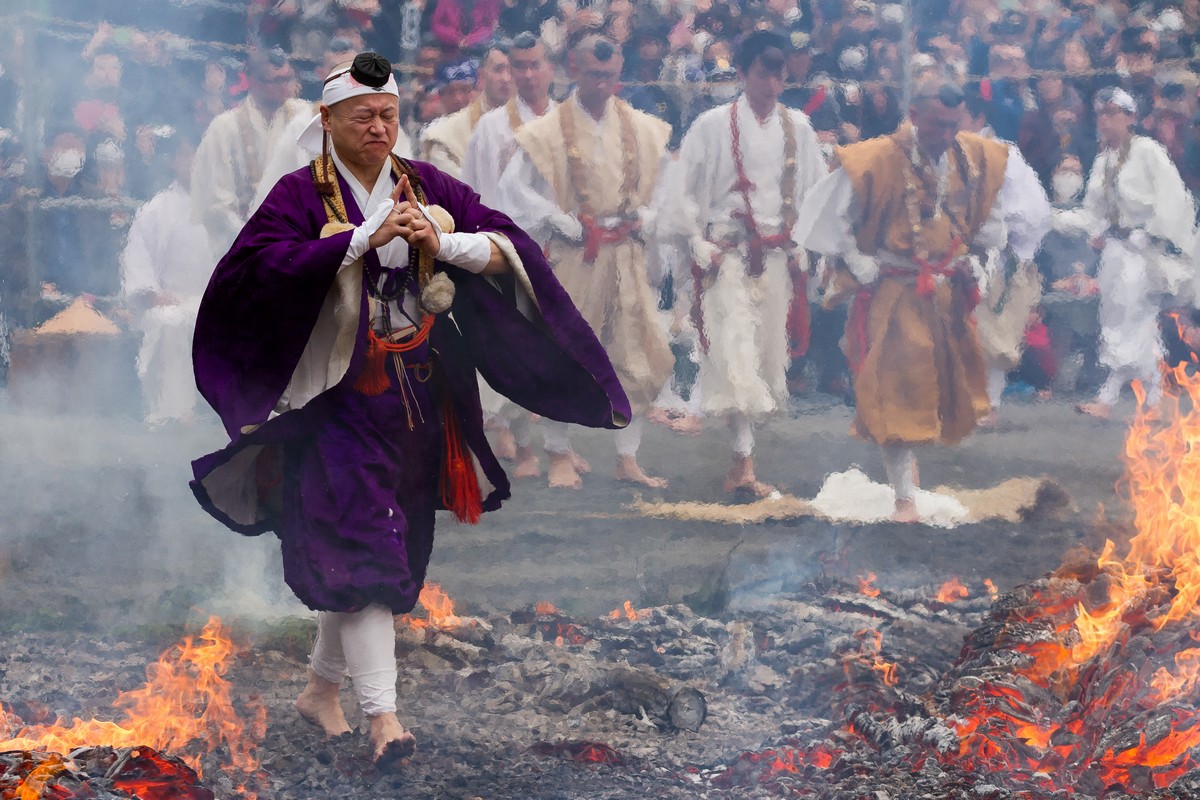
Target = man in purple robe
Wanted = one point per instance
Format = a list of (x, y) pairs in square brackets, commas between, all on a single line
[(351, 402)]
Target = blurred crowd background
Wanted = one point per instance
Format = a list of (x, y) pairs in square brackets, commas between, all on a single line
[(102, 101)]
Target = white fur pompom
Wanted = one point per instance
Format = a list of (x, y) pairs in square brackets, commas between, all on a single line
[(438, 294)]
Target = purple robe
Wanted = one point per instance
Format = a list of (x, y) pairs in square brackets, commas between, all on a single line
[(346, 481)]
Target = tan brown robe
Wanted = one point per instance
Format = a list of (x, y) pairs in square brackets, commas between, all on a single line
[(923, 378)]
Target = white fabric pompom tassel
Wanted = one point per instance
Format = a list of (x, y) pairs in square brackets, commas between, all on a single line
[(438, 294)]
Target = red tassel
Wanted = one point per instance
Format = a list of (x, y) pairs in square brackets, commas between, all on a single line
[(798, 324), (460, 485), (925, 284), (373, 380)]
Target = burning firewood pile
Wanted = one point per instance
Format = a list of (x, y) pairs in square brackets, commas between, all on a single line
[(1083, 684)]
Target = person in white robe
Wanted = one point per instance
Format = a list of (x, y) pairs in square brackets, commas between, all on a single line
[(233, 151), (444, 141), (581, 183), (1010, 288), (491, 147), (165, 267), (744, 169), (1141, 218)]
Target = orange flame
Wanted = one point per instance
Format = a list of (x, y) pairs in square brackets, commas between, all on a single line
[(864, 585), (439, 609), (952, 590), (991, 587), (185, 701), (628, 611), (542, 607)]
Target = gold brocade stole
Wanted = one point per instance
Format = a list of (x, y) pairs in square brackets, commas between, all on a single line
[(514, 115)]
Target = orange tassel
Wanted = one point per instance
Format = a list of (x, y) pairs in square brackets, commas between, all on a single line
[(373, 380), (460, 485)]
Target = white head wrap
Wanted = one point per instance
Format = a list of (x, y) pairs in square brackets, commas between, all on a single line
[(1116, 96), (339, 86)]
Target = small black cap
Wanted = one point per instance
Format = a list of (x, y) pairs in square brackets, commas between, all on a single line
[(371, 69), (603, 50)]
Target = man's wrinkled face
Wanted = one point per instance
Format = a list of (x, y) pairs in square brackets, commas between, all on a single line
[(531, 71), (363, 129)]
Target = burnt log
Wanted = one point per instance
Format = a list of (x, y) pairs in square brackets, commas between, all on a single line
[(669, 704)]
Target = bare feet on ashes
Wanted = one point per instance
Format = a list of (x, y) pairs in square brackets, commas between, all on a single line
[(562, 473), (741, 478), (527, 465), (319, 705), (906, 511), (629, 470), (503, 444), (391, 745)]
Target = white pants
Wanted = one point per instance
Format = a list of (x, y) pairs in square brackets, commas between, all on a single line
[(742, 429), (1148, 374), (997, 380), (901, 463), (361, 644), (557, 440)]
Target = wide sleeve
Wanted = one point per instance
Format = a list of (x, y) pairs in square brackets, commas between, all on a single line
[(826, 225), (552, 363), (529, 195), (1152, 195), (1020, 217), (138, 274), (262, 304)]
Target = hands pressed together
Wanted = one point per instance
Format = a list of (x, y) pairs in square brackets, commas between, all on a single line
[(407, 221)]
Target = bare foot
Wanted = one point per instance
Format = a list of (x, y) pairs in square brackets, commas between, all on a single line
[(629, 470), (1098, 410), (527, 465), (741, 477), (392, 746), (658, 416), (503, 444), (906, 511), (580, 463), (688, 424), (989, 420), (318, 704), (562, 472)]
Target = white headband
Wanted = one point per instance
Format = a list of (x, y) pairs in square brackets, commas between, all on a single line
[(1117, 97), (339, 86)]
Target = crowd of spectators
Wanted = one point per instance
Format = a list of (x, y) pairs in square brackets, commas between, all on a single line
[(95, 98)]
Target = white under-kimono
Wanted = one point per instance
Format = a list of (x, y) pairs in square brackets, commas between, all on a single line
[(229, 165), (1142, 207), (166, 256), (745, 318)]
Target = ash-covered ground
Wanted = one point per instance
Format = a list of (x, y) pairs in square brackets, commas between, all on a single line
[(105, 560)]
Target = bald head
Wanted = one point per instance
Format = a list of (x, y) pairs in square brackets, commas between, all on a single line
[(936, 110)]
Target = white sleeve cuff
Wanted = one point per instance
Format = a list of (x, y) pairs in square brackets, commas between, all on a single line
[(360, 241), (469, 251), (863, 267)]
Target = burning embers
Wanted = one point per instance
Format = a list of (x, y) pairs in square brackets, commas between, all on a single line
[(185, 708), (1083, 684)]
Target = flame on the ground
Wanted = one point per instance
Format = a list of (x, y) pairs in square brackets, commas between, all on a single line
[(991, 587), (952, 590), (1156, 585), (627, 611), (439, 609), (865, 585), (184, 708)]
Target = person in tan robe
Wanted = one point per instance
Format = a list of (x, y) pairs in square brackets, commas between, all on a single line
[(579, 181), (908, 213)]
